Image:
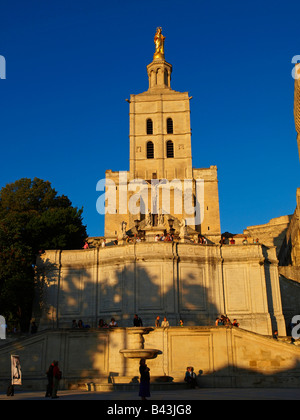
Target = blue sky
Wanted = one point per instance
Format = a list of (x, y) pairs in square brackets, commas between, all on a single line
[(70, 65)]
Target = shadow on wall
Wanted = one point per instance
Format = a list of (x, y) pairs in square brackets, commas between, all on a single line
[(74, 292), (120, 291)]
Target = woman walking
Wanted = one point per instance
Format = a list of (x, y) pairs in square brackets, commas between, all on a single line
[(144, 380)]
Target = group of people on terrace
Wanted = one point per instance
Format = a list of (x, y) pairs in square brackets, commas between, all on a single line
[(231, 241), (102, 324), (170, 237), (224, 320), (164, 238), (137, 322)]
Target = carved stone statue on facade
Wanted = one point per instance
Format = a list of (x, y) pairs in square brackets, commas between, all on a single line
[(160, 218), (182, 229), (122, 234), (124, 225), (148, 219)]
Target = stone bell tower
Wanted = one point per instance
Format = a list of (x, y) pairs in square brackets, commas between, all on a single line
[(160, 149), (160, 131)]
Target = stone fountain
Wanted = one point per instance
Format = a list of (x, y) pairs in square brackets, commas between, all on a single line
[(138, 351)]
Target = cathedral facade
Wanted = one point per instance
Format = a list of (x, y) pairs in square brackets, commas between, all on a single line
[(193, 275)]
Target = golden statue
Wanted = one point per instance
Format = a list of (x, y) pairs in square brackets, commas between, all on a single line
[(159, 41)]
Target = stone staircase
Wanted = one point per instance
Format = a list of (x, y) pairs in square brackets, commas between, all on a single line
[(124, 383), (90, 360)]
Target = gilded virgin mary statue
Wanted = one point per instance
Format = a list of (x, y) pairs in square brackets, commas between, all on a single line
[(159, 41)]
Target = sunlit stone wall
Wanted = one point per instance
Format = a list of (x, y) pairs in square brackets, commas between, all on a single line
[(195, 283)]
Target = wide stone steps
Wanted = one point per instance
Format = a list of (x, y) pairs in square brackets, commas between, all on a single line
[(119, 383)]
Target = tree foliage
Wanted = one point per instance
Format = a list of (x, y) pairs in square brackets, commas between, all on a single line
[(32, 218)]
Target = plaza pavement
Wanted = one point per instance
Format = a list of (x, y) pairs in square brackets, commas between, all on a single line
[(168, 395)]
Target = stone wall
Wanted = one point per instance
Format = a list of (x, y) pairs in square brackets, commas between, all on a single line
[(290, 292), (271, 233), (290, 250), (194, 282)]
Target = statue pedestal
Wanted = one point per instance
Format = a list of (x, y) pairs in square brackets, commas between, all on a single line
[(185, 240), (151, 232)]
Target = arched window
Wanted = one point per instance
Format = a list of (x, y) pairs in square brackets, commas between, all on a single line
[(169, 126), (150, 150), (170, 149), (149, 126)]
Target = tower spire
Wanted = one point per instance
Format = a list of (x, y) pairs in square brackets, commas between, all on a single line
[(159, 71)]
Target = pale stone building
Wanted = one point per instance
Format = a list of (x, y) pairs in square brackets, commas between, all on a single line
[(289, 254), (297, 103), (284, 233), (186, 278), (182, 279)]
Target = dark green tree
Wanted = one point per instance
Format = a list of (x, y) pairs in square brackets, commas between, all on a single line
[(32, 218)]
